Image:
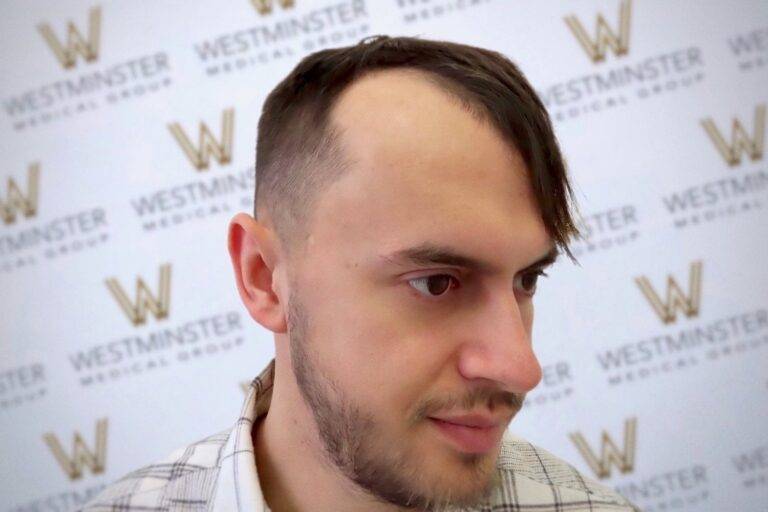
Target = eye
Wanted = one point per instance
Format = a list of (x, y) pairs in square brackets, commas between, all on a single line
[(527, 282), (434, 285)]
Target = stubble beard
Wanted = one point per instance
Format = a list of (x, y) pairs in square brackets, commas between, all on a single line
[(352, 441)]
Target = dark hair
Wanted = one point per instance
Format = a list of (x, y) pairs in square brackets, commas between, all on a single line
[(296, 153)]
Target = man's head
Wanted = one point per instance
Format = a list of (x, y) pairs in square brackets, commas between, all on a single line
[(299, 147), (409, 193)]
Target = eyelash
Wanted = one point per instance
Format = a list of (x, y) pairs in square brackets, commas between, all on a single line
[(538, 273)]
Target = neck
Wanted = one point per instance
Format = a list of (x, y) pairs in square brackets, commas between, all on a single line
[(294, 473)]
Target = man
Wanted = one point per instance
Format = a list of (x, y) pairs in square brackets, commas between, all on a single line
[(409, 195)]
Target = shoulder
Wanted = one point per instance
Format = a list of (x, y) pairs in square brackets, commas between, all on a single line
[(530, 475), (185, 476)]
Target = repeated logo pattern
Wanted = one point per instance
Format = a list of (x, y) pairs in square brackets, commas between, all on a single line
[(741, 142), (676, 299), (73, 461), (122, 155), (20, 202), (145, 302), (610, 454), (605, 37), (75, 44), (264, 7), (208, 146)]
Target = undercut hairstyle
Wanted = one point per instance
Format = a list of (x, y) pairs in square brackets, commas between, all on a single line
[(298, 150)]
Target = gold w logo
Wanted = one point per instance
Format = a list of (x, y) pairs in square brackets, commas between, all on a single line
[(264, 7), (76, 43), (610, 454), (82, 456), (740, 140), (605, 36), (676, 298), (145, 301), (16, 200), (207, 144)]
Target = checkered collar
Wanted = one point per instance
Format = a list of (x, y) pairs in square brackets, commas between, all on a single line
[(237, 484)]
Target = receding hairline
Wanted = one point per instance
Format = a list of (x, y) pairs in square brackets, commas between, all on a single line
[(332, 131), (298, 116)]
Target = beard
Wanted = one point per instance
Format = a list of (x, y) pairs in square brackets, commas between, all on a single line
[(382, 466)]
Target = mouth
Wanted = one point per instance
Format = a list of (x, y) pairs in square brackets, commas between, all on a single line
[(470, 434)]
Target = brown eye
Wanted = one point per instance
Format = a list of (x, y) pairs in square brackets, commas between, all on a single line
[(434, 285), (529, 281)]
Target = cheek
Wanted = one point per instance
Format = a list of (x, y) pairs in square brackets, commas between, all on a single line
[(384, 353), (392, 371)]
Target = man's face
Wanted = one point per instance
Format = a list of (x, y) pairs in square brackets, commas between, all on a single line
[(411, 306)]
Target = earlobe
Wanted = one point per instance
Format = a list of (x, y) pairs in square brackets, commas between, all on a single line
[(254, 260)]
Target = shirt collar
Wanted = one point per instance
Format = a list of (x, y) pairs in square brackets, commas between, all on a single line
[(237, 484)]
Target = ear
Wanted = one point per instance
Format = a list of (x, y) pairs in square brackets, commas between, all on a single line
[(253, 251)]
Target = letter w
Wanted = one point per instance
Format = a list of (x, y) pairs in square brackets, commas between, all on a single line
[(81, 455), (609, 452), (605, 37), (676, 299), (740, 140), (264, 7), (76, 44), (207, 144), (17, 201), (145, 301)]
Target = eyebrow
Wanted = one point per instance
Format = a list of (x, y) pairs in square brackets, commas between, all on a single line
[(430, 254)]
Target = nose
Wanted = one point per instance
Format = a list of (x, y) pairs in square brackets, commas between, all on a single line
[(499, 348)]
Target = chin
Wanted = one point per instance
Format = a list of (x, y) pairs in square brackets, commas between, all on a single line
[(467, 478)]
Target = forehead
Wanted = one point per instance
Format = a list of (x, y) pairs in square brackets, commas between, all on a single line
[(423, 167)]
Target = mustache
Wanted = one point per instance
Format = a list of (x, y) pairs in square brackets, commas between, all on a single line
[(493, 398)]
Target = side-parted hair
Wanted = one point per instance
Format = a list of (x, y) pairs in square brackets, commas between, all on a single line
[(297, 149)]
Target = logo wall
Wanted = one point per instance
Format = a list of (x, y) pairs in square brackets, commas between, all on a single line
[(16, 201), (264, 7), (297, 28), (417, 11), (21, 385), (145, 301), (636, 79), (207, 144), (557, 381), (605, 230), (149, 348), (652, 491), (690, 345), (93, 89), (605, 37), (83, 463), (192, 201), (749, 49), (751, 466), (743, 188), (30, 239), (75, 44), (610, 455), (81, 73), (81, 455), (676, 299), (740, 141)]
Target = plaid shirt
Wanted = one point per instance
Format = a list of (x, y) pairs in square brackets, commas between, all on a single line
[(218, 474)]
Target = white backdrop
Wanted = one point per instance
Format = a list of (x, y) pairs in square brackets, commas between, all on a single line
[(660, 109)]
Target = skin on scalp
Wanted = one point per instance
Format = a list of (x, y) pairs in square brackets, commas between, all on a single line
[(421, 168)]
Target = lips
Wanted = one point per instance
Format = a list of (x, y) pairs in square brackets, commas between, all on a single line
[(470, 433), (470, 420)]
